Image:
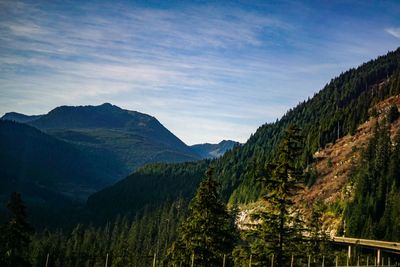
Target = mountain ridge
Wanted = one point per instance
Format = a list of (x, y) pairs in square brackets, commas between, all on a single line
[(210, 151), (134, 138)]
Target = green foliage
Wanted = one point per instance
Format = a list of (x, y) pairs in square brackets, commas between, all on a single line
[(280, 230), (208, 232), (318, 239), (393, 113), (15, 235), (127, 242), (310, 177), (374, 211)]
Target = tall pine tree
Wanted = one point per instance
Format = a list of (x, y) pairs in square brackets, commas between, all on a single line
[(279, 232), (16, 234), (207, 233)]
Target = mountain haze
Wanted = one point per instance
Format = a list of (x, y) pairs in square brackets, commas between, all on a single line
[(210, 151), (29, 157)]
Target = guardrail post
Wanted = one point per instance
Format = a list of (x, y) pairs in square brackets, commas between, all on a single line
[(348, 255), (106, 265), (192, 259), (367, 260), (323, 261), (378, 257), (337, 261), (47, 260)]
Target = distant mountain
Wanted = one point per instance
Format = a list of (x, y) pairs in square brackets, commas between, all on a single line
[(29, 156), (132, 138), (51, 174), (210, 151), (18, 117)]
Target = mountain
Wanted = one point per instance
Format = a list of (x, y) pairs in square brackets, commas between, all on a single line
[(335, 111), (18, 117), (53, 175), (210, 151), (31, 159), (133, 139)]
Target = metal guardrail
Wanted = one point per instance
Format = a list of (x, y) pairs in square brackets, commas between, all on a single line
[(386, 245)]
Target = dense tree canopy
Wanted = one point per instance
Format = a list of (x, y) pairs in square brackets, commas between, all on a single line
[(208, 232)]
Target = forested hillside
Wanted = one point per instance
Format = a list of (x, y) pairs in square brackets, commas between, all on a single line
[(335, 111), (374, 212), (150, 187), (332, 113)]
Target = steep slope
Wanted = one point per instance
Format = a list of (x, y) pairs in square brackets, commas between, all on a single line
[(132, 138), (35, 163), (336, 111), (211, 151)]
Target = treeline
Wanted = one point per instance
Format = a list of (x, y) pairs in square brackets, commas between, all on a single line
[(150, 186), (335, 111), (127, 242), (374, 213)]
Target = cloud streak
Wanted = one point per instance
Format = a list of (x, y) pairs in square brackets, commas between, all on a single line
[(222, 70), (394, 32)]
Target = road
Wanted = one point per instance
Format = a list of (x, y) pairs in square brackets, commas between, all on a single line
[(384, 245)]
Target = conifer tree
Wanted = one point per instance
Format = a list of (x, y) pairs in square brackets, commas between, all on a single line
[(16, 234), (280, 229), (207, 233)]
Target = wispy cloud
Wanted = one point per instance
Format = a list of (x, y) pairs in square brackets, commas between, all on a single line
[(206, 71), (394, 32)]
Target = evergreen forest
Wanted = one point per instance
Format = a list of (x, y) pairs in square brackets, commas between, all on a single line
[(187, 213)]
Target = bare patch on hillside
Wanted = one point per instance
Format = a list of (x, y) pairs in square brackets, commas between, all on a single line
[(335, 162)]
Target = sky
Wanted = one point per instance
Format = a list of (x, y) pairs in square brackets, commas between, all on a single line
[(207, 70)]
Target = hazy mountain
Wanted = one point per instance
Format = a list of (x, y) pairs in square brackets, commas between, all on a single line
[(210, 151), (132, 138), (18, 117), (36, 163)]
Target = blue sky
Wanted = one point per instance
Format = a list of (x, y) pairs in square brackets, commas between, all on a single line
[(207, 70)]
